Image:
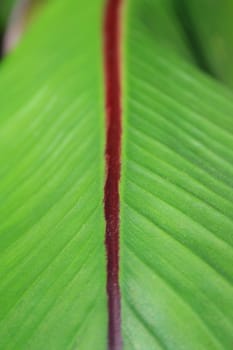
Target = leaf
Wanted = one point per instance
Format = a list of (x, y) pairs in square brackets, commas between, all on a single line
[(176, 208), (208, 24), (52, 176)]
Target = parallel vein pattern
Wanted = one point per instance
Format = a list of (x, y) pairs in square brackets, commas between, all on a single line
[(52, 265), (177, 199)]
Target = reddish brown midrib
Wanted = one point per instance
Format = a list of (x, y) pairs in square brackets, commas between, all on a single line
[(113, 167)]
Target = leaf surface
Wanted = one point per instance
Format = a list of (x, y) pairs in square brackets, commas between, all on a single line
[(176, 191), (52, 176), (176, 187)]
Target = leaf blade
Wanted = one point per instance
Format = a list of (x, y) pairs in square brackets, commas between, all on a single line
[(176, 245), (52, 252)]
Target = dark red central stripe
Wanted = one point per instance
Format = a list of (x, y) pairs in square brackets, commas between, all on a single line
[(113, 167)]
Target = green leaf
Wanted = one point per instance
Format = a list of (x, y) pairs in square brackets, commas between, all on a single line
[(208, 24), (176, 188), (176, 191), (52, 176)]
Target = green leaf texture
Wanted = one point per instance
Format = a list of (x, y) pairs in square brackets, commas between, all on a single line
[(52, 176), (176, 192), (176, 188)]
